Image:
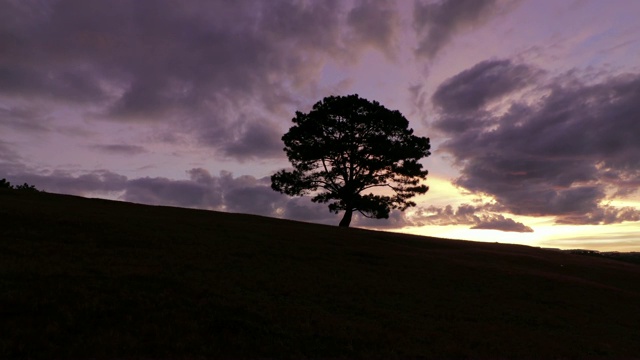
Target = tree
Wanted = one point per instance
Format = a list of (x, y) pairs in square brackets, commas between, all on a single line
[(27, 188), (4, 184), (347, 146)]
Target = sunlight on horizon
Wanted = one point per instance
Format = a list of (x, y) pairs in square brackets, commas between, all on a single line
[(615, 237), (546, 233)]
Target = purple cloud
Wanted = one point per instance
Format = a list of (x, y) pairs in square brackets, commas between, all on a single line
[(251, 138), (489, 80), (201, 68), (376, 24), (22, 118), (499, 222), (119, 149), (181, 193), (561, 155), (480, 217), (7, 154), (437, 23)]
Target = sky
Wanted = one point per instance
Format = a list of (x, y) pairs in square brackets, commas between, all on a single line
[(532, 106)]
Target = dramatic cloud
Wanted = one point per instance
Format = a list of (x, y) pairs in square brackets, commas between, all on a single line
[(437, 23), (474, 88), (560, 151), (480, 217), (211, 70)]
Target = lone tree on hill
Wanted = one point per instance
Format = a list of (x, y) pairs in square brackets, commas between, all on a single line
[(346, 146)]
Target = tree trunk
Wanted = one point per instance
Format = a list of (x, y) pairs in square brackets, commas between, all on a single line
[(346, 219)]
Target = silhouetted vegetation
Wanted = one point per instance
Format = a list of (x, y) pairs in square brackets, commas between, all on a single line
[(4, 184), (100, 279), (26, 187), (632, 257), (347, 146)]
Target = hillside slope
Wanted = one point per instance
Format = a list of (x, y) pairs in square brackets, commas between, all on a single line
[(94, 278)]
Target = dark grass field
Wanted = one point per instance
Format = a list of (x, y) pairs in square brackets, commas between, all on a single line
[(85, 278)]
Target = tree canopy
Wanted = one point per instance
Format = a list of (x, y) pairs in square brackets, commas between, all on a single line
[(347, 146)]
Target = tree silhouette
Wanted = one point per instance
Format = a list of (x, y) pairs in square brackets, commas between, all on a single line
[(4, 184), (27, 187), (344, 148)]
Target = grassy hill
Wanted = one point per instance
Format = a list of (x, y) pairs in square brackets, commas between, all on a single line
[(94, 278)]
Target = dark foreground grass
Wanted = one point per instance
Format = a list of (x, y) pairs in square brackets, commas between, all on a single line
[(84, 278)]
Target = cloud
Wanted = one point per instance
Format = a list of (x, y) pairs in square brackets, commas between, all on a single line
[(7, 154), (437, 23), (28, 119), (73, 86), (243, 194), (375, 23), (58, 181), (473, 89), (247, 194), (397, 220), (499, 222), (261, 138), (559, 150), (480, 217), (604, 214), (211, 71), (119, 149), (302, 209), (194, 193)]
